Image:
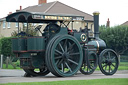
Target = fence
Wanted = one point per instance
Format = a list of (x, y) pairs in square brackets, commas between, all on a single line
[(1, 61)]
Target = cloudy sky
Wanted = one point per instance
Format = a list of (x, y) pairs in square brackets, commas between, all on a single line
[(115, 10)]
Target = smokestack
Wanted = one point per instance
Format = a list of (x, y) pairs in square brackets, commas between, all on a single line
[(96, 24), (10, 13), (108, 23), (42, 1), (20, 7)]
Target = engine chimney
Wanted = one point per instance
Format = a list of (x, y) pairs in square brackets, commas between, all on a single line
[(96, 24), (42, 1)]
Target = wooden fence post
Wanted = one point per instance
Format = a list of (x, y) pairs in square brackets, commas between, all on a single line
[(7, 61), (1, 61)]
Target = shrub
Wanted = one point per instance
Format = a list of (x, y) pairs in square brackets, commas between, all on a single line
[(116, 38)]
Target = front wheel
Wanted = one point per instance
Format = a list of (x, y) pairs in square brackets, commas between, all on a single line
[(108, 62)]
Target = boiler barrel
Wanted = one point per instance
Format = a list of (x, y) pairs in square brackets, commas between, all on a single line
[(98, 44)]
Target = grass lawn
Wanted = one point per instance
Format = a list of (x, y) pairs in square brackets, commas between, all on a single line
[(122, 66), (9, 67), (123, 81)]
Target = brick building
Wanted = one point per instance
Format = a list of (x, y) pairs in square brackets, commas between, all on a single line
[(56, 7)]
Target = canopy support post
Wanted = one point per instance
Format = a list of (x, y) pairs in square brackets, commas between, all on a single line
[(27, 27), (72, 25), (18, 27)]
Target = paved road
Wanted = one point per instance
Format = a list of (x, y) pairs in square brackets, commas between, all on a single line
[(11, 76)]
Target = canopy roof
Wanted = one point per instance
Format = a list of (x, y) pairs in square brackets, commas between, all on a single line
[(38, 17)]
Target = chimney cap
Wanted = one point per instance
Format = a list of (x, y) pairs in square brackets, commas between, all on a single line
[(96, 13)]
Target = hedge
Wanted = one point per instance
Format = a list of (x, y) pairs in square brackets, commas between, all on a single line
[(116, 38), (6, 46)]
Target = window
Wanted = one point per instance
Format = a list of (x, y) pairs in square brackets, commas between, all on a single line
[(40, 24), (25, 24), (4, 24), (33, 24), (9, 24), (16, 24)]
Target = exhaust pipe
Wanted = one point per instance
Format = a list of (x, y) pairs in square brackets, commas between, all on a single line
[(96, 24)]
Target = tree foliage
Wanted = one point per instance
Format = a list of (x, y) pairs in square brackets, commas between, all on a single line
[(30, 31), (5, 46), (116, 38)]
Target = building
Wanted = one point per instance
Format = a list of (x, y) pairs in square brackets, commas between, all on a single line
[(6, 28), (55, 7), (125, 23)]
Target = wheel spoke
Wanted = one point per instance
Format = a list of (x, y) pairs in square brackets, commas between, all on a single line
[(58, 57), (60, 62), (87, 69), (109, 55), (113, 59), (71, 46), (57, 62), (68, 67), (84, 66), (65, 44), (61, 47), (66, 48), (105, 67), (109, 69), (73, 61), (113, 65), (62, 66), (58, 51), (72, 54)]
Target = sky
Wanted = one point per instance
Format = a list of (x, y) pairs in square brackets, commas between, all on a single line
[(115, 10)]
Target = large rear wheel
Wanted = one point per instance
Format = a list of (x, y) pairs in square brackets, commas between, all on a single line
[(65, 56)]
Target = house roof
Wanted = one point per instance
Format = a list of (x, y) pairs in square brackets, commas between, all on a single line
[(58, 8), (126, 23), (2, 19)]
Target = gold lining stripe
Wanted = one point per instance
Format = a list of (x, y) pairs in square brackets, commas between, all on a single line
[(97, 46)]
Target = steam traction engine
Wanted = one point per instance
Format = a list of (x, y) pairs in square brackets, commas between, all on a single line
[(60, 50)]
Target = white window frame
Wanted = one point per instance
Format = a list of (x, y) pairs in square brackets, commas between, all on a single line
[(33, 24), (25, 24), (4, 24), (16, 24), (9, 24)]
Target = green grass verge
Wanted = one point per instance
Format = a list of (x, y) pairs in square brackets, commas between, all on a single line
[(121, 81), (122, 66), (9, 67)]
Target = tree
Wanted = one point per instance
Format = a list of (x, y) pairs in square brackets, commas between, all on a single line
[(30, 31), (116, 38)]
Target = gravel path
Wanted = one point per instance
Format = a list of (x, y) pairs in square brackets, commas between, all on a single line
[(13, 76)]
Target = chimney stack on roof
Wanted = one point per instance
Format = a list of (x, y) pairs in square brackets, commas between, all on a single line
[(20, 7), (42, 1), (108, 23), (10, 13)]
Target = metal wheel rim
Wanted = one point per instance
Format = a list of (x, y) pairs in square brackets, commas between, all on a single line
[(65, 62), (86, 70), (108, 60), (47, 56)]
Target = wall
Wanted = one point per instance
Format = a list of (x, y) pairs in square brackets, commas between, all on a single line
[(6, 32)]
